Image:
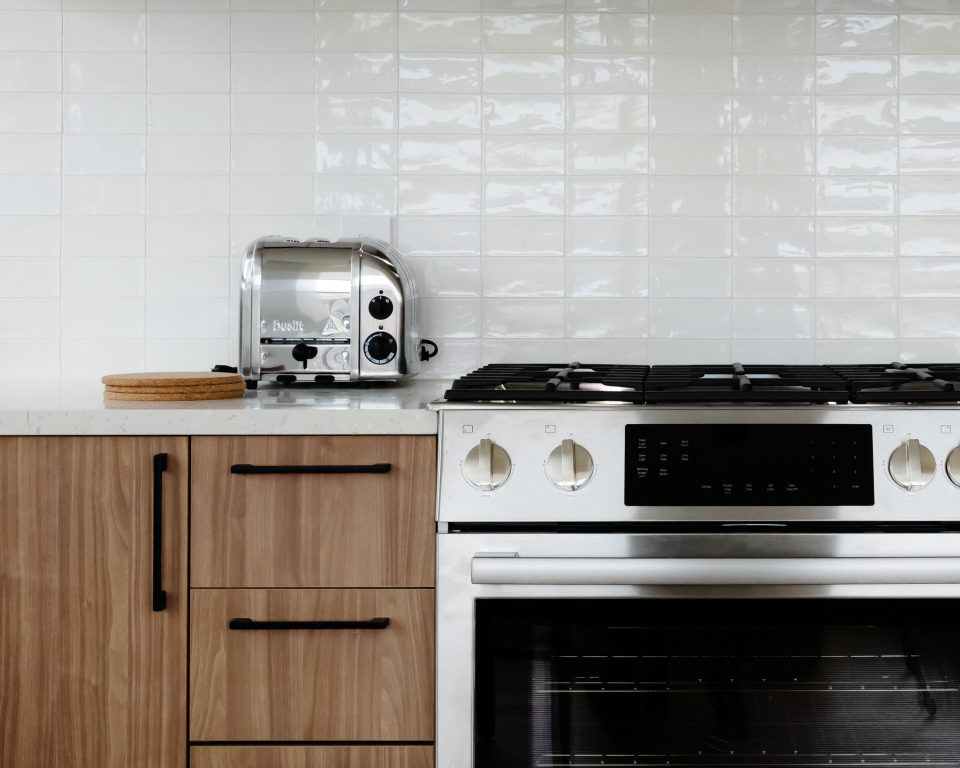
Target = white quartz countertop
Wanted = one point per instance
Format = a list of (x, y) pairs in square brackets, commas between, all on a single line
[(78, 408)]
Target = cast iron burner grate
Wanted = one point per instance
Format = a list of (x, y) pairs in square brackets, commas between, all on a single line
[(899, 383), (564, 382), (745, 383)]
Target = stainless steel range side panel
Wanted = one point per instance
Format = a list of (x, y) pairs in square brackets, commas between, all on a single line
[(530, 434)]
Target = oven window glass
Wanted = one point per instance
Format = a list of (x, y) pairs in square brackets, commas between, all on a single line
[(717, 683)]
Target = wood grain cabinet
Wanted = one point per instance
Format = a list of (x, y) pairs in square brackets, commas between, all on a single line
[(312, 602), (92, 658), (343, 511)]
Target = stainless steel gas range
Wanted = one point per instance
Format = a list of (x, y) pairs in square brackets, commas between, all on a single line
[(699, 566)]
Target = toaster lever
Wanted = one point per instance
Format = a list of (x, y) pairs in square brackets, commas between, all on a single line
[(303, 352)]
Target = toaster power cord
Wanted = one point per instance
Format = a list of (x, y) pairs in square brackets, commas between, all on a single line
[(426, 354)]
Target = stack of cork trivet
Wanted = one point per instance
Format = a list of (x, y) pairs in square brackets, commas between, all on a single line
[(172, 386)]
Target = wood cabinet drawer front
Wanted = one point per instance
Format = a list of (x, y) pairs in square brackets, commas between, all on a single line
[(307, 522), (312, 684), (311, 757)]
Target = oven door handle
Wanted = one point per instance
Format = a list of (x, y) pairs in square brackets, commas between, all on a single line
[(510, 568)]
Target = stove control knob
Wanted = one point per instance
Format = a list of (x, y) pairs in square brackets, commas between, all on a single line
[(487, 466), (569, 466), (912, 465), (953, 466)]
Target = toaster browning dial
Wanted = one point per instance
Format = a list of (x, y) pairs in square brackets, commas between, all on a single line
[(380, 348)]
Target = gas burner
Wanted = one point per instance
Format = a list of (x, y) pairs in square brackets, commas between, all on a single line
[(899, 383), (565, 382), (744, 383)]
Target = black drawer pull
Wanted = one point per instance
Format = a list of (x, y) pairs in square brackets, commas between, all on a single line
[(159, 596), (381, 622), (310, 469)]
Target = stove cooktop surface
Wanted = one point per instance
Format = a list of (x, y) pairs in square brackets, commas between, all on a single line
[(641, 384)]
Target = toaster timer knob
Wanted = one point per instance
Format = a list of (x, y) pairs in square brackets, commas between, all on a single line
[(380, 348), (381, 307), (487, 466), (912, 465), (569, 466)]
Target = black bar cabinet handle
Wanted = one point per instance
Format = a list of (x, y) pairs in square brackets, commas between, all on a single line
[(159, 467), (310, 469), (381, 622)]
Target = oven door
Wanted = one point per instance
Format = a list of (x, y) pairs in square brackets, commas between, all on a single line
[(728, 649)]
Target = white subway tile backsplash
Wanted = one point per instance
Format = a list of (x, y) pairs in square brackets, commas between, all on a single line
[(274, 31), (103, 196), (929, 34), (355, 31), (189, 32), (604, 196), (778, 181), (690, 196), (434, 113), (104, 113), (857, 155), (30, 30), (30, 71), (846, 237), (439, 236), (522, 195), (523, 236), (605, 113), (108, 31), (774, 33), (773, 155), (688, 237), (98, 72), (29, 318), (620, 32), (440, 32), (440, 73), (530, 277), (523, 32), (773, 73), (851, 33), (191, 113), (856, 278), (930, 195), (930, 114), (924, 236), (759, 238), (189, 72), (523, 73), (183, 155), (857, 74), (93, 278), (688, 73), (26, 153), (29, 195), (607, 278)]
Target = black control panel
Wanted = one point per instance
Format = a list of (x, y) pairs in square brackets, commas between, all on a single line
[(716, 465)]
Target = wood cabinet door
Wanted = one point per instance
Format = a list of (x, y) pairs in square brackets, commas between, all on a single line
[(331, 511), (311, 665), (326, 756), (91, 676)]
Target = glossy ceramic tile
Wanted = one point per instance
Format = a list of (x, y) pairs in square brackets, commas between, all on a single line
[(102, 278), (690, 278), (682, 33), (773, 73), (690, 196), (688, 237), (517, 237), (924, 236), (30, 154), (436, 195), (356, 72), (773, 278), (523, 114), (104, 72), (606, 278), (356, 114), (598, 32), (929, 34), (282, 153), (690, 318), (530, 277), (439, 31), (523, 73), (856, 115), (857, 319), (30, 30), (857, 155), (774, 33), (440, 154), (450, 277), (772, 319), (271, 72), (356, 31), (930, 74), (856, 237), (854, 33), (431, 237), (930, 196), (439, 114), (603, 196), (30, 71), (607, 113), (92, 31), (509, 195), (930, 114), (507, 155), (856, 278), (773, 196), (615, 155), (524, 318), (526, 32), (690, 114), (857, 74), (773, 114), (773, 155), (444, 73), (188, 114), (771, 236), (606, 318), (690, 73), (933, 277)]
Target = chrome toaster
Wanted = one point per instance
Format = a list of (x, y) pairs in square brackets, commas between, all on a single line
[(320, 311)]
